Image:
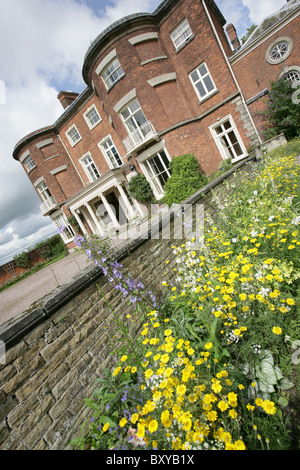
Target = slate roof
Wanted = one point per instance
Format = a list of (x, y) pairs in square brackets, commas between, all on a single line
[(271, 20)]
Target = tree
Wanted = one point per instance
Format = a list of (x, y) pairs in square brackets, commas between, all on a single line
[(249, 31), (283, 110), (140, 189)]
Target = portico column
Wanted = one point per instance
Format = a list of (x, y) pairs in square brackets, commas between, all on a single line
[(95, 220), (82, 227), (110, 211), (126, 200), (87, 218)]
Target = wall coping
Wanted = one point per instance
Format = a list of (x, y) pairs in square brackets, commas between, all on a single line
[(12, 331)]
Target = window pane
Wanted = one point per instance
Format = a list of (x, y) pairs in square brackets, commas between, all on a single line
[(159, 165), (202, 81), (201, 89), (125, 113), (194, 76), (134, 106), (181, 33), (292, 76), (93, 116), (165, 159), (236, 146), (140, 118), (226, 145), (202, 69), (208, 83)]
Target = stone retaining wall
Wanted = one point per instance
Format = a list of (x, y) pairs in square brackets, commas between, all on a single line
[(56, 349)]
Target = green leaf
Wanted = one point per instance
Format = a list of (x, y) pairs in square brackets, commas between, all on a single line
[(90, 403), (105, 419), (266, 373), (282, 402), (264, 387), (278, 373), (267, 356), (285, 384)]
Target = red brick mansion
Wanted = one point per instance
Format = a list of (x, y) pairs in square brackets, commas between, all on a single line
[(158, 85)]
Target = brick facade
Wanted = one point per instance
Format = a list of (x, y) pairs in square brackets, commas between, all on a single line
[(252, 67), (152, 93)]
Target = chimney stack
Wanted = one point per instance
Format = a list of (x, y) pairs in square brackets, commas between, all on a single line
[(66, 98), (230, 29)]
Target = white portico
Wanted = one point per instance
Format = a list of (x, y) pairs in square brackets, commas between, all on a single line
[(105, 204)]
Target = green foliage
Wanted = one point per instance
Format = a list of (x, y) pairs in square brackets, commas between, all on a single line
[(22, 260), (72, 221), (54, 247), (283, 113), (185, 180), (248, 33), (212, 367), (140, 189)]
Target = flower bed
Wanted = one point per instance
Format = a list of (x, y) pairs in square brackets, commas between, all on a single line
[(212, 366)]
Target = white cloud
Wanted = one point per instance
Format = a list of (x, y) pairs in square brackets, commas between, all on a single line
[(42, 48), (259, 9), (43, 44)]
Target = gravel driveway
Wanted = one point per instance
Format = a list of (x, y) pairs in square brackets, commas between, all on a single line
[(22, 295)]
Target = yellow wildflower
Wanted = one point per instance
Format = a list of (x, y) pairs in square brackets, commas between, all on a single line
[(105, 427), (122, 422)]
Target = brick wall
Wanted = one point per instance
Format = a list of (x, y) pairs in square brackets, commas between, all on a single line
[(53, 164), (253, 80), (55, 351), (9, 270)]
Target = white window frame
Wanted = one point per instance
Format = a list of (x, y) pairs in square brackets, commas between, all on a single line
[(217, 139), (201, 79), (90, 168), (107, 76), (182, 32), (131, 123), (147, 170), (109, 154), (29, 163), (88, 120), (292, 76), (62, 221), (282, 56), (44, 191), (72, 142)]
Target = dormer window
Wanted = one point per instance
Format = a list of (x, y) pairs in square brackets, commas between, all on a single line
[(181, 34), (112, 73)]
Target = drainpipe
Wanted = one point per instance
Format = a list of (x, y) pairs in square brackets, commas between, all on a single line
[(230, 69)]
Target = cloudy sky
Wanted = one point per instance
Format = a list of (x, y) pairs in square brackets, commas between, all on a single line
[(42, 47)]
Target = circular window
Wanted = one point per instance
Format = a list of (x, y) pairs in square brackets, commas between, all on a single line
[(279, 50), (292, 76)]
